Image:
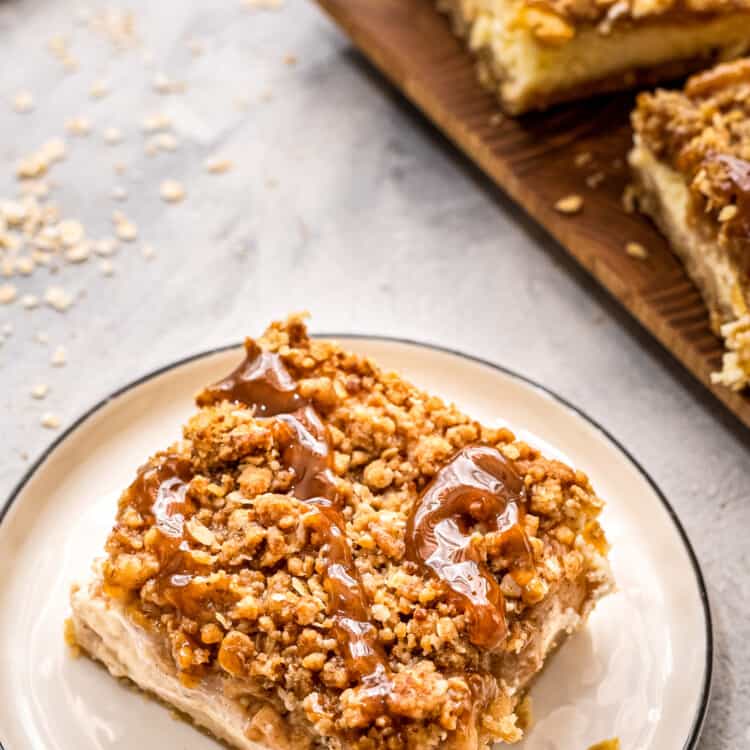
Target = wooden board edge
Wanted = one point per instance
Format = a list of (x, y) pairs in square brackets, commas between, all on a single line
[(421, 97)]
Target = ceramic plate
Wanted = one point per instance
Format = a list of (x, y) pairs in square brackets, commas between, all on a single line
[(640, 671)]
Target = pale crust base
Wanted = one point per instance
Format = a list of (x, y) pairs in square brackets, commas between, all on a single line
[(104, 631)]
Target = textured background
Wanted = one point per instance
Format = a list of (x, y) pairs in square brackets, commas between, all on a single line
[(342, 201)]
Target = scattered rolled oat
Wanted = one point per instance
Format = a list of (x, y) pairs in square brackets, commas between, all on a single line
[(58, 46), (570, 204), (214, 165), (117, 26), (106, 247), (728, 213), (119, 193), (78, 253), (107, 268), (112, 136), (31, 167), (25, 265), (78, 126), (166, 141), (172, 191), (50, 421), (163, 84), (582, 159), (59, 357), (57, 298), (29, 301), (53, 150), (290, 60), (8, 294), (636, 250), (99, 89), (152, 123), (71, 232), (41, 337), (23, 102), (125, 229), (39, 391), (148, 252)]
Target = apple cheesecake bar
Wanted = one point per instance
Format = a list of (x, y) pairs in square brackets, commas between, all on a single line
[(332, 558), (691, 164), (535, 53)]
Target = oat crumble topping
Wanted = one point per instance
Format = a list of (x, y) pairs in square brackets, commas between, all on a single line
[(217, 552), (704, 133)]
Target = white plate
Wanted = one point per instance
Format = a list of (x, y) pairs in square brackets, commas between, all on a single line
[(640, 671)]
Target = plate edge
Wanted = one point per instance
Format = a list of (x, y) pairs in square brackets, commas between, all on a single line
[(700, 718)]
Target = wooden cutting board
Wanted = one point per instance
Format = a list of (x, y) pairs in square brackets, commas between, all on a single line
[(533, 159)]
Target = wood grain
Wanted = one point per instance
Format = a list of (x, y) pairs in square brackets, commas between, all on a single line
[(533, 160)]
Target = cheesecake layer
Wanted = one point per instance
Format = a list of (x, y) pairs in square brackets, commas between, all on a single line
[(534, 55)]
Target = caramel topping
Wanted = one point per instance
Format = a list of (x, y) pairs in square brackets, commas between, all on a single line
[(160, 490), (261, 381), (305, 450), (478, 489), (347, 601)]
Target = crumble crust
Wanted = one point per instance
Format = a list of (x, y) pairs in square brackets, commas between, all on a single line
[(244, 595)]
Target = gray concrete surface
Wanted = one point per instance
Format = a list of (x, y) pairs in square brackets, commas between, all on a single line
[(343, 201)]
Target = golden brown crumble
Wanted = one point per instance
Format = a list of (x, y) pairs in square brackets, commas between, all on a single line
[(557, 22), (704, 133), (242, 593), (608, 13)]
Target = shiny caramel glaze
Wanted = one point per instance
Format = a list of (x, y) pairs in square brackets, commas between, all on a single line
[(160, 492), (263, 383), (478, 489)]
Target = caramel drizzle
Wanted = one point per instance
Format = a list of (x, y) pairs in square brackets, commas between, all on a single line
[(263, 383), (160, 491), (478, 488), (260, 381)]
